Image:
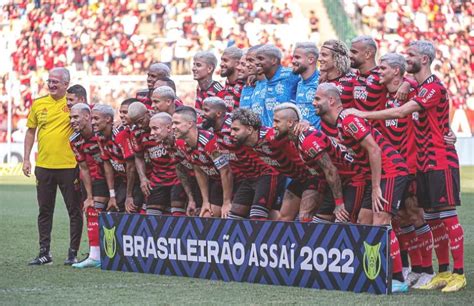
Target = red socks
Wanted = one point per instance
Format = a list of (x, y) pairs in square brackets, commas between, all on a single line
[(425, 245), (456, 237), (395, 253), (93, 226)]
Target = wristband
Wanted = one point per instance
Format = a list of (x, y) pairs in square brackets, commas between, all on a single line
[(112, 193), (339, 201)]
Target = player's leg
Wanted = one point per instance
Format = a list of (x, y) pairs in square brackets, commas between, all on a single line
[(354, 194), (265, 196), (216, 197), (291, 201), (325, 211), (311, 200), (242, 200), (178, 201), (159, 200)]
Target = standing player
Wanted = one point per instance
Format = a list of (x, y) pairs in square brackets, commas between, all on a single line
[(247, 89), (281, 82), (387, 167), (76, 94), (170, 83), (253, 94), (204, 64), (233, 85), (437, 166), (305, 59), (155, 71), (212, 169), (87, 152), (164, 100)]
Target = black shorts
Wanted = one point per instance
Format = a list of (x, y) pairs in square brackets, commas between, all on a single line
[(410, 189), (392, 191), (216, 196), (438, 188), (99, 189), (120, 187), (194, 189), (297, 187), (163, 195), (259, 191)]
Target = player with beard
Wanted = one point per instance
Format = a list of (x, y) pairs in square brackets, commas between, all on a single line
[(160, 183), (164, 100), (95, 192), (211, 167), (282, 155), (233, 85), (204, 64), (334, 63), (255, 183), (387, 167), (155, 71), (76, 94), (437, 166), (281, 82), (117, 153), (247, 90), (305, 59)]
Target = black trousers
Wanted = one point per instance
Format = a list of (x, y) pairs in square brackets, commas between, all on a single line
[(47, 183)]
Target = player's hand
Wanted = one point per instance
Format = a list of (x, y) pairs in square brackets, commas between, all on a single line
[(89, 202), (27, 168), (301, 126), (130, 205), (341, 213), (112, 205), (402, 92), (225, 210), (206, 210), (191, 209), (145, 186), (354, 111), (450, 138), (377, 200)]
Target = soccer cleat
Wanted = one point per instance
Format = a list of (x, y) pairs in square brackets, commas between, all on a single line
[(438, 282), (88, 263), (71, 257), (456, 283), (424, 279), (399, 287), (44, 258), (412, 278)]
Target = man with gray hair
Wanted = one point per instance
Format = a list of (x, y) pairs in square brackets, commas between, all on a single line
[(438, 178), (55, 165), (155, 72), (204, 64), (305, 59), (163, 100), (233, 85), (281, 82)]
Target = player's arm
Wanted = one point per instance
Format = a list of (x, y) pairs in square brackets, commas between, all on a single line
[(183, 176), (227, 180), (334, 182), (130, 170), (390, 113), (141, 170), (375, 159), (404, 90), (87, 181), (29, 141), (203, 184), (109, 178)]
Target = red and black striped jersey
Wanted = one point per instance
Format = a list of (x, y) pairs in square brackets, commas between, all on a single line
[(162, 162), (432, 124), (231, 94), (352, 130), (206, 155), (202, 94), (243, 161), (88, 150), (179, 153), (139, 138), (282, 155), (117, 149), (345, 84), (312, 144)]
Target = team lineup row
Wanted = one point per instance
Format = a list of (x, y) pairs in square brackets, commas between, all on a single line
[(367, 145)]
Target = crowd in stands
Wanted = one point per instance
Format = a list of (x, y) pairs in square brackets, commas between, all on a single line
[(449, 24)]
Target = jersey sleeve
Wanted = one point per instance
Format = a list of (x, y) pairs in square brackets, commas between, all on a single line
[(355, 127), (32, 121), (123, 141), (104, 154), (135, 142), (78, 153), (219, 159), (314, 145), (428, 96)]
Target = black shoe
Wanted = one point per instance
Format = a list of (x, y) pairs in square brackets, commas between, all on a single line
[(71, 257), (44, 258)]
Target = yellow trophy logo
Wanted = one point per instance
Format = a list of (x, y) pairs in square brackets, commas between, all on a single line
[(371, 260), (110, 244)]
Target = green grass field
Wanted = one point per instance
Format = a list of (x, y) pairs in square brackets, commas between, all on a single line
[(57, 284)]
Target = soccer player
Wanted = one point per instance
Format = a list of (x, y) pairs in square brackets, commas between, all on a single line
[(282, 155), (55, 165), (160, 184), (437, 166), (117, 153), (255, 183), (388, 168), (204, 64), (76, 94), (233, 85), (281, 82), (87, 153), (211, 167), (170, 83), (247, 89), (335, 68), (305, 59), (253, 93), (163, 99), (155, 71)]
